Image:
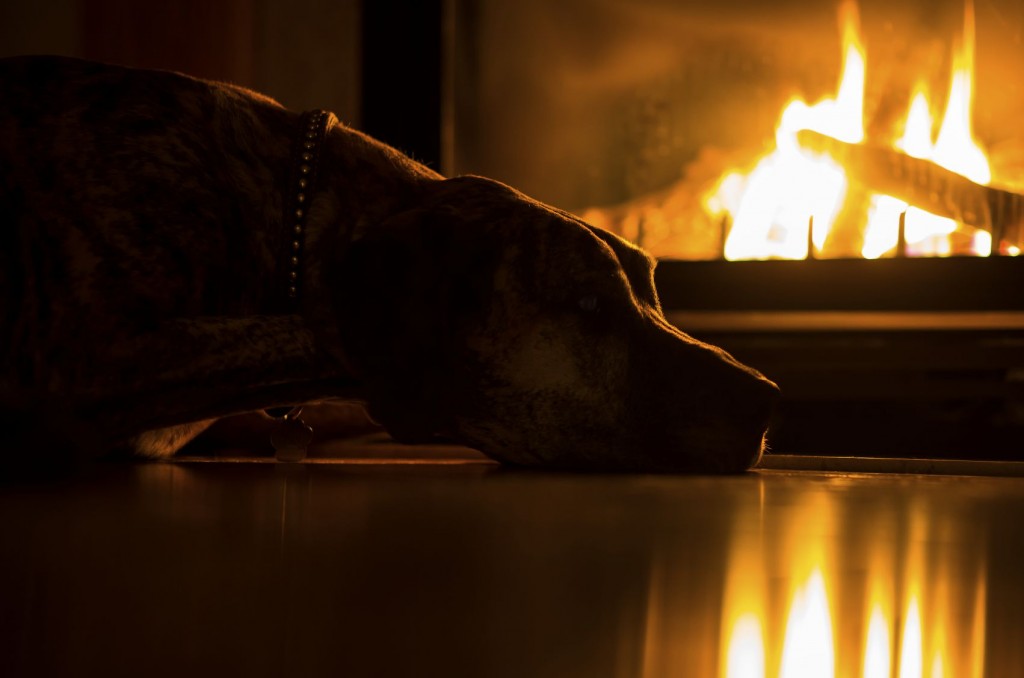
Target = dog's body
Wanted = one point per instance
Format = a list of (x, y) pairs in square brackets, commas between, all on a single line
[(145, 268)]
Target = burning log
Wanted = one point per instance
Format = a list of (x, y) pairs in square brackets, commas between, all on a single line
[(926, 185)]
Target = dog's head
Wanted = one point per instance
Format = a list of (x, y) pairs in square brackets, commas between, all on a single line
[(490, 318)]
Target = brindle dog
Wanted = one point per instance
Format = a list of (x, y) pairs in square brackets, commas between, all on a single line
[(146, 269)]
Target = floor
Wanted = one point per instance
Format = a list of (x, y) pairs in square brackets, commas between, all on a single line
[(464, 568)]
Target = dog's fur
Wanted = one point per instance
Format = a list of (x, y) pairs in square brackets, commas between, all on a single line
[(144, 261)]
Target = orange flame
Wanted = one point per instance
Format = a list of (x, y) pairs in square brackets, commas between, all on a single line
[(787, 187), (808, 650), (955, 149), (918, 620), (745, 656), (772, 205), (911, 660), (876, 653)]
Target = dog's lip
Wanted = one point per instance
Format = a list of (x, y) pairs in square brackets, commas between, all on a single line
[(761, 450), (737, 459), (737, 453)]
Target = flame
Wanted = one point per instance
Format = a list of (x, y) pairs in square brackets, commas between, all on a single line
[(910, 643), (745, 657), (876, 652), (772, 206), (787, 187), (955, 149), (808, 650), (921, 616), (917, 130), (744, 609), (878, 609)]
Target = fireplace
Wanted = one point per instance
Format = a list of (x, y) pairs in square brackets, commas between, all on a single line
[(833, 191)]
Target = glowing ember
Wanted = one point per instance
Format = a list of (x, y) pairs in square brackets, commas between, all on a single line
[(771, 206)]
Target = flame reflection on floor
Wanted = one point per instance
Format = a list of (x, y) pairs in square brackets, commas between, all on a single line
[(783, 615)]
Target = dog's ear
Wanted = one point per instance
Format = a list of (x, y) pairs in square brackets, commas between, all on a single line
[(402, 295), (636, 264)]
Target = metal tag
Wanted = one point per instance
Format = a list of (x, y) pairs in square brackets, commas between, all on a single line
[(291, 438)]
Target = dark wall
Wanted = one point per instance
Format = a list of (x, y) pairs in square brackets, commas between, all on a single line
[(304, 53), (401, 104)]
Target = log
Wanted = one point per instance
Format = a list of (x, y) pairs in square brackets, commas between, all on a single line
[(924, 184)]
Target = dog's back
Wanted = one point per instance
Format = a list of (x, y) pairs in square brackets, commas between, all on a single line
[(126, 197)]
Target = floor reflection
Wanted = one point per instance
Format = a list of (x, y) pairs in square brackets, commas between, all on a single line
[(474, 570), (819, 586)]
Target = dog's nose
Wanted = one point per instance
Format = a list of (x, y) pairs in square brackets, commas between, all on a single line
[(742, 401)]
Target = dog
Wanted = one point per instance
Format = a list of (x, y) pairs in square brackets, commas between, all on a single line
[(179, 250)]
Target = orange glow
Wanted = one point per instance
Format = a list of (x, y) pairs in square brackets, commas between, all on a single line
[(910, 643), (771, 205), (955, 149), (787, 187), (808, 650), (783, 615), (878, 637), (745, 656), (977, 649), (877, 661), (743, 605)]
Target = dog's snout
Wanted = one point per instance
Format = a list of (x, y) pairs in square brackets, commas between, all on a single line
[(713, 410), (749, 397)]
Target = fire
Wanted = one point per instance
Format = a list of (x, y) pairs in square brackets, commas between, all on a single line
[(787, 188), (911, 618), (808, 651), (745, 657), (787, 205), (878, 637), (876, 655), (955, 149), (910, 653)]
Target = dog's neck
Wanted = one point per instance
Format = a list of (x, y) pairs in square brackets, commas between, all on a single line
[(302, 184), (361, 183)]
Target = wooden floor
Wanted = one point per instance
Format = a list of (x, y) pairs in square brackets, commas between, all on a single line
[(468, 569)]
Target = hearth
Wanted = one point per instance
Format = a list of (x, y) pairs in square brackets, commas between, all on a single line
[(897, 357)]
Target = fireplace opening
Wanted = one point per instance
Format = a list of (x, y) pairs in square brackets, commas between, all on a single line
[(833, 190)]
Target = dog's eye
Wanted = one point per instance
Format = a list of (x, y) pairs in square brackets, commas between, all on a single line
[(589, 303)]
